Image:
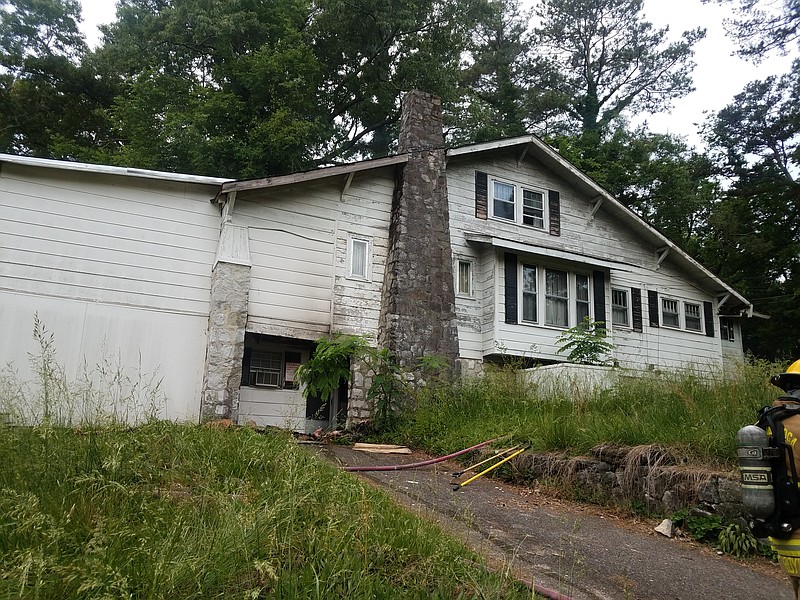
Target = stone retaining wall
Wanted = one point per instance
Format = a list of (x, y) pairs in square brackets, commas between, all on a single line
[(648, 476)]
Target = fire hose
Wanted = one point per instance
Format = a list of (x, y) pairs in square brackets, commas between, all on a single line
[(423, 463)]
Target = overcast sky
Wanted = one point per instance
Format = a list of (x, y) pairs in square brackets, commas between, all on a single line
[(718, 76)]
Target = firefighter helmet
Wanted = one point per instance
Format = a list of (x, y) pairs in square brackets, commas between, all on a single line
[(790, 380)]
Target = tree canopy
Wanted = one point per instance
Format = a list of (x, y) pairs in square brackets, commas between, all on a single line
[(611, 60), (246, 88)]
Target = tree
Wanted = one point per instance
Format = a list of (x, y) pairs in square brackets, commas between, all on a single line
[(761, 26), (50, 104), (245, 88), (755, 240), (658, 176), (508, 89), (611, 60)]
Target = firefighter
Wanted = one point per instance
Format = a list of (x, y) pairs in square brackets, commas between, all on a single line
[(789, 549)]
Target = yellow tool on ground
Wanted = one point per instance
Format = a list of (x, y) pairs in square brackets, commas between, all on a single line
[(497, 454), (494, 466)]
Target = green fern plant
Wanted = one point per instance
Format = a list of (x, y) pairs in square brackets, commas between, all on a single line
[(586, 343)]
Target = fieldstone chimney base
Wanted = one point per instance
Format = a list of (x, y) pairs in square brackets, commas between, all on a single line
[(230, 285)]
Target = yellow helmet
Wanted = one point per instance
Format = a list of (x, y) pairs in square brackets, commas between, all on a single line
[(790, 380)]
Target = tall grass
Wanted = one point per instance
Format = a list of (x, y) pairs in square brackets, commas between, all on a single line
[(94, 508), (104, 393), (170, 511), (698, 415)]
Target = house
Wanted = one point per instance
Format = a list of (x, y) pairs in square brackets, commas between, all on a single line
[(473, 253)]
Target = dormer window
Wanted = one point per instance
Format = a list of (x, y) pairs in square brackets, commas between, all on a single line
[(516, 203), (505, 204)]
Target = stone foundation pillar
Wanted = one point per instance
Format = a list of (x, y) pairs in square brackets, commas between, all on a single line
[(359, 407), (230, 287)]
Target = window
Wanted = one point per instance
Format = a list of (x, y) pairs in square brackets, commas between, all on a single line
[(529, 310), (552, 297), (619, 308), (359, 258), (581, 298), (556, 298), (266, 368), (504, 204), (464, 278), (533, 208), (691, 313), (503, 201), (726, 329), (670, 316)]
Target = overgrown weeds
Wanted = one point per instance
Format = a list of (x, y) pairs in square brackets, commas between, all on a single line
[(103, 394), (170, 511), (696, 416), (92, 507)]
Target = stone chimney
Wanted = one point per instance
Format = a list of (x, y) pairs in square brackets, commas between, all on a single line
[(418, 299)]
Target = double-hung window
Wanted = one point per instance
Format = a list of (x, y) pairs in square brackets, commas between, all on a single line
[(464, 278), (556, 298), (619, 308), (671, 316), (529, 299), (726, 329), (682, 314), (692, 318), (503, 204), (553, 297), (533, 208), (581, 297), (517, 203), (358, 258)]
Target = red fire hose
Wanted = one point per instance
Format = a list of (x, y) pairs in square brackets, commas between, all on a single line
[(423, 463)]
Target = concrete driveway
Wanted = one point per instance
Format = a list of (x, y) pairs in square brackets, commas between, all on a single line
[(581, 552)]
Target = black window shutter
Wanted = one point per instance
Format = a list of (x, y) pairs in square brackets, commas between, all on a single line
[(554, 208), (636, 308), (652, 305), (599, 281), (708, 315), (481, 195), (510, 261)]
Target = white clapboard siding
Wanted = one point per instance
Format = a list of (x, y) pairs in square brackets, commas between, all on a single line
[(153, 250), (365, 214), (272, 408), (118, 269), (291, 273), (298, 249), (599, 237)]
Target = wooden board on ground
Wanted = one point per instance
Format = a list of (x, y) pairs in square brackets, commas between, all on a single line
[(382, 448)]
